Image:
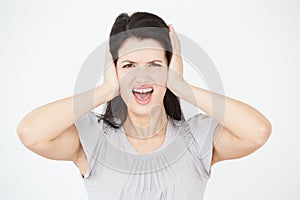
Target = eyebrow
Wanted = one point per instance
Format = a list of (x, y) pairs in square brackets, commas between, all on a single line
[(135, 62)]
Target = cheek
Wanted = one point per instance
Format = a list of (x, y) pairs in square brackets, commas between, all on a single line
[(125, 82), (122, 79), (124, 88), (119, 73), (159, 76)]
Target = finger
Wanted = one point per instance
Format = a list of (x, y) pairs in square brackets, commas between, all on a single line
[(175, 42), (108, 56)]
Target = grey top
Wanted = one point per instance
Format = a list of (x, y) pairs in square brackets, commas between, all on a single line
[(178, 170)]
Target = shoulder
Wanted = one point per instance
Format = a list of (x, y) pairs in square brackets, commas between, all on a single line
[(200, 120), (202, 125), (90, 117), (196, 118), (196, 124), (89, 121), (193, 122), (89, 129)]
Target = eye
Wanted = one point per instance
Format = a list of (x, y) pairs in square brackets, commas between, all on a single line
[(128, 65), (155, 65)]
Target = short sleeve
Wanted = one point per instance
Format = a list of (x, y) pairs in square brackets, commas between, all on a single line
[(203, 126), (89, 131)]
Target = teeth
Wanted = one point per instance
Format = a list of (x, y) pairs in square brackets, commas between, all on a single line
[(142, 90)]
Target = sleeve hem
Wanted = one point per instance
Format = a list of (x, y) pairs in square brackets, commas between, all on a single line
[(206, 159), (79, 171), (85, 127)]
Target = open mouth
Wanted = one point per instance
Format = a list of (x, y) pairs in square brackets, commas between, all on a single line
[(143, 95)]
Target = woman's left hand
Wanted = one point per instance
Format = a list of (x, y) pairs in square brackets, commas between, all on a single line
[(175, 73)]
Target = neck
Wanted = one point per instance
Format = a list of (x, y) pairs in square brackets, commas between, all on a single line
[(146, 126)]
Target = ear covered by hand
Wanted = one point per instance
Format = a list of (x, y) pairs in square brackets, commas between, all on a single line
[(110, 75), (175, 73)]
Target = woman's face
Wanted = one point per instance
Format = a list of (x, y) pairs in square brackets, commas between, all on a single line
[(142, 72)]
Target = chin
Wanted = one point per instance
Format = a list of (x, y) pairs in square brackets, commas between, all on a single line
[(138, 109), (146, 109)]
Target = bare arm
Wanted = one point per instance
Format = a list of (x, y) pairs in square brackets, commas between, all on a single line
[(50, 127), (244, 128), (49, 130)]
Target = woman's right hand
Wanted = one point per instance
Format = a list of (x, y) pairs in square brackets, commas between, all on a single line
[(111, 81)]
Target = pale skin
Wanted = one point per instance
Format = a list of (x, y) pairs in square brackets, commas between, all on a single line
[(52, 134)]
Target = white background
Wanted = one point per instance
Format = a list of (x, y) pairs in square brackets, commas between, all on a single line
[(254, 45)]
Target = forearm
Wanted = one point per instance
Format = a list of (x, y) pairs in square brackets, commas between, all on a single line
[(239, 118), (48, 121)]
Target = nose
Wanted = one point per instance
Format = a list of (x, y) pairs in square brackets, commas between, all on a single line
[(142, 74)]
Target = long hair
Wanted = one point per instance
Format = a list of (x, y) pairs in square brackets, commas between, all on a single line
[(125, 27)]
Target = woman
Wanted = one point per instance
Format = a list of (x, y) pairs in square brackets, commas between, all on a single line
[(159, 154)]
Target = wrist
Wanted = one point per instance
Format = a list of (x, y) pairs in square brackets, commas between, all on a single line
[(104, 93), (178, 86)]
